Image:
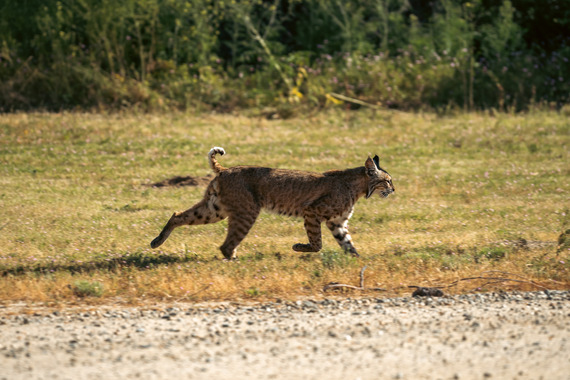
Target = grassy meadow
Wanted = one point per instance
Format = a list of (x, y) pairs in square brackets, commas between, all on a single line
[(475, 193)]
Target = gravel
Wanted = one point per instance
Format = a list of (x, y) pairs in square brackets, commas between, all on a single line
[(477, 336)]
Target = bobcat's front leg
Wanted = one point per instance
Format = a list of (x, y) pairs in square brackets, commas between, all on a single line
[(339, 229), (313, 229)]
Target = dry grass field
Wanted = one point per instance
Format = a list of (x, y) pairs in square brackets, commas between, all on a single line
[(476, 196)]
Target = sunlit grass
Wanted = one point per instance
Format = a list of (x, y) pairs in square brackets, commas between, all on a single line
[(473, 193)]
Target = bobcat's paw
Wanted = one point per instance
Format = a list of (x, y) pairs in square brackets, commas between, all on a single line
[(304, 248), (157, 242)]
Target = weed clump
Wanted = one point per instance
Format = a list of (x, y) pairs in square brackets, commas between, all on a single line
[(84, 288), (253, 292), (491, 253)]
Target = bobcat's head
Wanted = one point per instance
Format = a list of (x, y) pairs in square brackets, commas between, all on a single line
[(379, 181)]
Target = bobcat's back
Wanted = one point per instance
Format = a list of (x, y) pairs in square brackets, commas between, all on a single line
[(290, 192)]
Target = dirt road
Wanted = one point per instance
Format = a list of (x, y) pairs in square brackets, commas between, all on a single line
[(495, 336)]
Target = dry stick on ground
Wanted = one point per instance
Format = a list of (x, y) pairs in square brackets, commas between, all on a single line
[(510, 274), (334, 285), (493, 280), (485, 284)]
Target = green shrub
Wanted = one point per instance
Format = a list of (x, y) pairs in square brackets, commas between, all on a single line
[(253, 292), (84, 288), (154, 55)]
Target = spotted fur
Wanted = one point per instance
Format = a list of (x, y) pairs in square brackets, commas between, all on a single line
[(239, 193)]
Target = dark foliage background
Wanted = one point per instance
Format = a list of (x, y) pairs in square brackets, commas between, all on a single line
[(226, 55)]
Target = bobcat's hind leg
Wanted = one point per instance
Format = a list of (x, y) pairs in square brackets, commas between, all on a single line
[(239, 224), (313, 229), (339, 229), (204, 212)]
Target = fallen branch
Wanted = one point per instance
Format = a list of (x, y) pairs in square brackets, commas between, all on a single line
[(334, 285), (490, 281), (510, 274), (495, 280), (435, 291), (485, 284)]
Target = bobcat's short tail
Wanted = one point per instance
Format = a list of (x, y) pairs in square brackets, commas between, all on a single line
[(216, 167)]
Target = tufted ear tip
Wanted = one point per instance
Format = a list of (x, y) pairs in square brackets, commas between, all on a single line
[(376, 160), (370, 166)]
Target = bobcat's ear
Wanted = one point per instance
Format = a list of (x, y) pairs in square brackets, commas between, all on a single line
[(370, 167), (377, 161)]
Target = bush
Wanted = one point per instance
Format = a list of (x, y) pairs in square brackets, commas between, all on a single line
[(84, 288), (163, 54)]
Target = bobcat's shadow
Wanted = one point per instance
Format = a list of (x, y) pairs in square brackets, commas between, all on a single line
[(137, 260)]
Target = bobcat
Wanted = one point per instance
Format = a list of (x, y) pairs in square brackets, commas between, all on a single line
[(239, 193)]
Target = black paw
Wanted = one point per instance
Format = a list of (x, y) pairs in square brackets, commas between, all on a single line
[(156, 242), (303, 248)]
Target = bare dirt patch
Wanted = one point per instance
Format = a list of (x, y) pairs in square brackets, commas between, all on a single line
[(523, 335), (180, 181)]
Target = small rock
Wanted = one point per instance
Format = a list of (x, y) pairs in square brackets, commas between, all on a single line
[(427, 292), (309, 304)]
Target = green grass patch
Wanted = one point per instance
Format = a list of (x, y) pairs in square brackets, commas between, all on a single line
[(332, 259), (471, 195), (83, 288)]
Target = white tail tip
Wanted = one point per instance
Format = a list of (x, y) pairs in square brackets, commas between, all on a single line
[(216, 150)]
